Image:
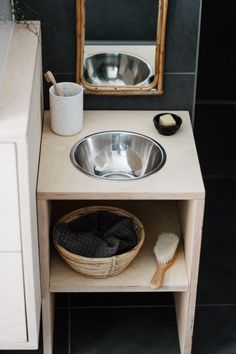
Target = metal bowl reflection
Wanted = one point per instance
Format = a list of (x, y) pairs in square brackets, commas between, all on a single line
[(116, 69), (118, 155)]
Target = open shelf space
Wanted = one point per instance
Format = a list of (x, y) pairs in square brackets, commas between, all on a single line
[(157, 217)]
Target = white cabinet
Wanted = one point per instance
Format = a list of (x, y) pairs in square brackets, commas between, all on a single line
[(12, 300), (9, 203), (20, 136)]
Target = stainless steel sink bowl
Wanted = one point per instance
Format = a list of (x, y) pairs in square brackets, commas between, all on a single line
[(118, 155), (117, 69)]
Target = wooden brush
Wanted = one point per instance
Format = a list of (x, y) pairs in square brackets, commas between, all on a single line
[(165, 251), (51, 79)]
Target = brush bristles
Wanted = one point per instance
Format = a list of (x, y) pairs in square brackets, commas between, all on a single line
[(165, 247)]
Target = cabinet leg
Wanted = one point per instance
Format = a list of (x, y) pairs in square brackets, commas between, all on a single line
[(185, 321), (48, 323), (44, 218), (191, 220)]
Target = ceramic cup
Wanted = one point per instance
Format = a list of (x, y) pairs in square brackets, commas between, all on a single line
[(66, 111)]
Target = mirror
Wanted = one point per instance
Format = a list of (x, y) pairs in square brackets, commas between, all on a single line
[(120, 46)]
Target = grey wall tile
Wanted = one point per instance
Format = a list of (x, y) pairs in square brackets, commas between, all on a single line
[(58, 19), (59, 47), (47, 12), (182, 35), (178, 94)]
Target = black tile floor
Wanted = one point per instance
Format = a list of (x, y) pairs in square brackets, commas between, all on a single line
[(107, 324)]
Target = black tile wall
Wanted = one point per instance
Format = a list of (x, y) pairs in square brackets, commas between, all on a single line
[(178, 95), (58, 31), (123, 19), (182, 36), (59, 50), (218, 263), (217, 70), (214, 130)]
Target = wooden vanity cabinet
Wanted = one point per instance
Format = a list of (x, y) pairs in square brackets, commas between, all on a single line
[(170, 200), (20, 138)]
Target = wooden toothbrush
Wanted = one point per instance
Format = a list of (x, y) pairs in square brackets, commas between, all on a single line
[(165, 251), (51, 79)]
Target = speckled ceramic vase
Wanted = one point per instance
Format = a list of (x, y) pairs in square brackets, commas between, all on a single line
[(66, 111)]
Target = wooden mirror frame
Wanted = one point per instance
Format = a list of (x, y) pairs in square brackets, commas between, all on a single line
[(155, 88)]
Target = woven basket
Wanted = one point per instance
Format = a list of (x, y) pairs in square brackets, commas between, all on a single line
[(101, 267)]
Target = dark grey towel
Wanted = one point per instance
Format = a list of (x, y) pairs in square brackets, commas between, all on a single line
[(100, 234)]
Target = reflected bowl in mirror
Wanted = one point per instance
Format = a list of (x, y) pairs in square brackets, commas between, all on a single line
[(167, 130), (117, 69), (118, 155)]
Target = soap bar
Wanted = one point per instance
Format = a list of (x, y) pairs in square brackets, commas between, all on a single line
[(167, 120)]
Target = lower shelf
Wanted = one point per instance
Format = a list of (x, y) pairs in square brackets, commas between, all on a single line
[(157, 217)]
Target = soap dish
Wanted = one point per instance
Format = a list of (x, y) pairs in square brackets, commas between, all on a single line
[(167, 130)]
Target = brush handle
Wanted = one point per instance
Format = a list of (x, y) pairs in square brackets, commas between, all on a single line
[(50, 78), (58, 90), (157, 279)]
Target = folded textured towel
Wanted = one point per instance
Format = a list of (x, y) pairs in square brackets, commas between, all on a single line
[(100, 234)]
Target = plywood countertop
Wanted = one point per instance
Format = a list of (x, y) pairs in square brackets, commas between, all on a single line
[(179, 178)]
